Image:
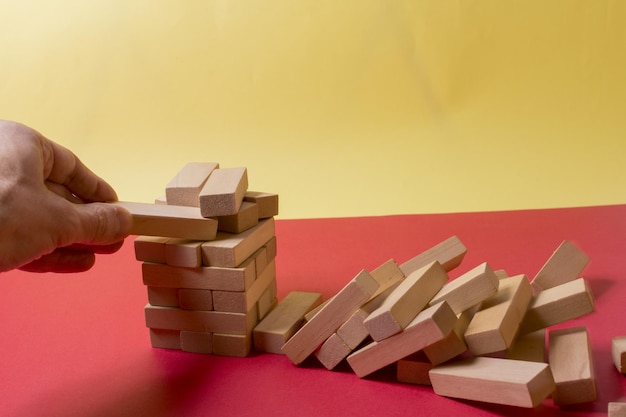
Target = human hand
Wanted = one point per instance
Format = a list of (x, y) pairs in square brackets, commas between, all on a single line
[(52, 215)]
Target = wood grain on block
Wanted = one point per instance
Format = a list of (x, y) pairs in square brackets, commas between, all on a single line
[(170, 318), (321, 326), (332, 352), (453, 344), (388, 275), (308, 316), (194, 299), (469, 289), (494, 380), (246, 218), (204, 278), (223, 192), (407, 299), (268, 300), (529, 347), (169, 221), (566, 264), (230, 250), (353, 332), (283, 321), (243, 301), (617, 409), (414, 369), (150, 248), (232, 345), (448, 253), (618, 351), (184, 188), (164, 297), (571, 362), (261, 260), (196, 342), (267, 203), (557, 305), (183, 252), (166, 339), (497, 321), (430, 326)]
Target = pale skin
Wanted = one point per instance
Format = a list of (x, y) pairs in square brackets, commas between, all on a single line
[(53, 211)]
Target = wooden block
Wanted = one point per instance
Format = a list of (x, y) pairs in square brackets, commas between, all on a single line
[(271, 248), (246, 218), (267, 203), (268, 300), (169, 318), (166, 339), (353, 332), (469, 289), (494, 380), (203, 278), (406, 301), (192, 299), (260, 260), (571, 362), (184, 188), (223, 192), (232, 345), (321, 326), (169, 221), (618, 350), (230, 250), (414, 369), (453, 344), (387, 275), (332, 352), (242, 302), (529, 347), (501, 273), (557, 305), (164, 297), (160, 200), (430, 326), (496, 323), (283, 321), (183, 253), (617, 409), (196, 342), (566, 264), (448, 253), (150, 248), (308, 316)]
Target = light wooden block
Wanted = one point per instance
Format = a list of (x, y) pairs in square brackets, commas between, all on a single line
[(169, 221), (529, 347), (166, 339), (308, 316), (557, 305), (268, 300), (196, 342), (223, 192), (232, 345), (246, 218), (497, 321), (283, 321), (501, 273), (183, 253), (184, 188), (271, 247), (428, 327), (150, 248), (448, 253), (321, 326), (387, 275), (193, 299), (571, 362), (494, 380), (353, 332), (160, 200), (332, 352), (406, 301), (453, 344), (230, 250), (261, 260), (242, 302), (617, 409), (618, 351), (414, 369), (164, 297), (169, 318), (267, 203), (566, 264), (203, 278), (469, 289)]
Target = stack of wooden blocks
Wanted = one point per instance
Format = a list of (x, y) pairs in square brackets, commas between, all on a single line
[(481, 336), (208, 253)]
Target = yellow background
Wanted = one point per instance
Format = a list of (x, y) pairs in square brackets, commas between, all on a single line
[(343, 108)]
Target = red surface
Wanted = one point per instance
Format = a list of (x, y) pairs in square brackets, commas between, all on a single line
[(76, 345)]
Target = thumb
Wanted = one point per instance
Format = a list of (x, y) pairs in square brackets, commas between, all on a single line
[(102, 223)]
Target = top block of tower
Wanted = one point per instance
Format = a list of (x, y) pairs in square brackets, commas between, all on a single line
[(223, 192), (184, 188)]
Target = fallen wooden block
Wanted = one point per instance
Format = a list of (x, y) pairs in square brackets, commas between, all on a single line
[(223, 192), (566, 264), (453, 344), (414, 369), (169, 221), (494, 380), (496, 323), (530, 347), (448, 253), (618, 350), (184, 188), (150, 248), (557, 305), (332, 352), (428, 327), (617, 409), (267, 203), (321, 326), (283, 321), (243, 301), (571, 362)]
